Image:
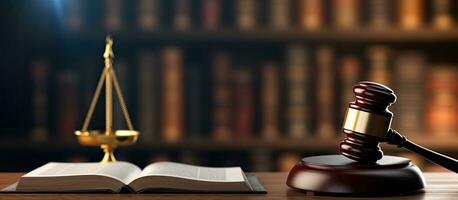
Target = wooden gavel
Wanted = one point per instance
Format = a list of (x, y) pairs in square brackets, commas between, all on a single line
[(368, 123)]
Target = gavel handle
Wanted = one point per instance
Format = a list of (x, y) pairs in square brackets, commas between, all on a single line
[(442, 160)]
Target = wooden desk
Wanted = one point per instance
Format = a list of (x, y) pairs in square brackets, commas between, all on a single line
[(439, 186)]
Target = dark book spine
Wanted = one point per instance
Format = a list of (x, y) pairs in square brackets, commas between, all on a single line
[(39, 72), (122, 72), (211, 14), (243, 119), (67, 104), (270, 101), (148, 14), (409, 76), (325, 92), (182, 15), (380, 13), (297, 98), (74, 15), (172, 94), (378, 65), (246, 13), (222, 97), (147, 96), (350, 73), (279, 14), (195, 115), (113, 14)]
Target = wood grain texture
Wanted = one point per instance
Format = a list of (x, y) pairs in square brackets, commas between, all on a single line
[(439, 186)]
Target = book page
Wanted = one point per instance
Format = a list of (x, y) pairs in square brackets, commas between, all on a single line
[(210, 174), (122, 171)]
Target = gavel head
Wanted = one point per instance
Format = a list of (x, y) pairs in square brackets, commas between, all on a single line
[(367, 122)]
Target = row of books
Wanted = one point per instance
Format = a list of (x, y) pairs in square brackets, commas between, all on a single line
[(305, 95), (251, 14)]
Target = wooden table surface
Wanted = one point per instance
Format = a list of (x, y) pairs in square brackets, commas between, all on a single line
[(439, 186)]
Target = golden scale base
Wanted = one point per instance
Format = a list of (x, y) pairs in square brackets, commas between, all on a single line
[(107, 139)]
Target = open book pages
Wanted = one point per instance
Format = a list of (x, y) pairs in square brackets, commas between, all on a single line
[(81, 177)]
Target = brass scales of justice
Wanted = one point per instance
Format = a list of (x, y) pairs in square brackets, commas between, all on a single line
[(107, 139)]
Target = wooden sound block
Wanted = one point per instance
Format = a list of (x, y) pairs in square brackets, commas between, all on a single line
[(339, 175)]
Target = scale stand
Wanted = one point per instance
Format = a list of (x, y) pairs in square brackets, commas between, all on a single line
[(107, 139)]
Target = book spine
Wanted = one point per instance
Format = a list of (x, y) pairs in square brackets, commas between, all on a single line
[(311, 15), (122, 73), (67, 105), (39, 72), (380, 13), (172, 94), (346, 13), (279, 17), (222, 95), (350, 73), (113, 15), (442, 18), (296, 82), (148, 14), (325, 92), (378, 65), (270, 101), (409, 77), (211, 14), (182, 14), (441, 108), (74, 18), (195, 101), (410, 13), (243, 119), (148, 120), (246, 14)]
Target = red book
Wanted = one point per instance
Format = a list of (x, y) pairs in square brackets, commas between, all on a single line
[(211, 14), (243, 119)]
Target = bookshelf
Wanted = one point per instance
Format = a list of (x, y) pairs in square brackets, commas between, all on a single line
[(73, 53)]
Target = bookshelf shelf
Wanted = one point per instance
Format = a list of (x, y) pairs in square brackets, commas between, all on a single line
[(394, 35), (305, 145)]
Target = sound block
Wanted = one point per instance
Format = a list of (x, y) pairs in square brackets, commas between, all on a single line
[(339, 175)]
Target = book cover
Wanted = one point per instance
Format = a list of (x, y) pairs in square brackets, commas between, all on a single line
[(222, 97), (172, 94), (311, 14), (325, 93)]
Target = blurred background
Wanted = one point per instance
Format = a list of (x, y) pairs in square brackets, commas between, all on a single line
[(251, 83)]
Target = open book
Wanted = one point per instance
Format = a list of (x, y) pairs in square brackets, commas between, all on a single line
[(113, 177)]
